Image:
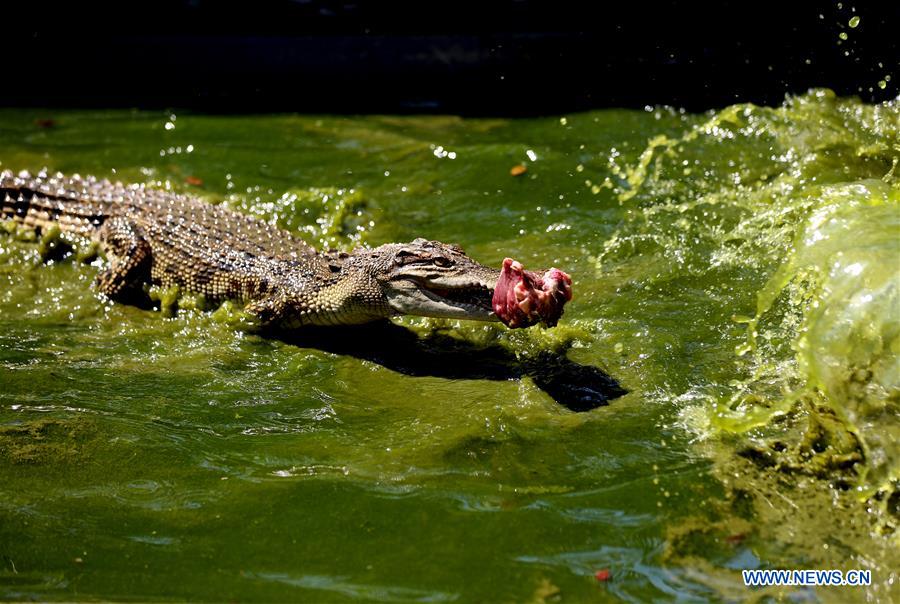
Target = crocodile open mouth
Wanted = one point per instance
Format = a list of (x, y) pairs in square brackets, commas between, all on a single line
[(523, 298), (473, 295)]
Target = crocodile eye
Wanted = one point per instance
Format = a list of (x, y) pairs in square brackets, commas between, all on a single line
[(403, 257), (443, 262)]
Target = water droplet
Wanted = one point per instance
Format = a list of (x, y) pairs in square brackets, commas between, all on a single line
[(843, 35), (882, 84), (854, 21)]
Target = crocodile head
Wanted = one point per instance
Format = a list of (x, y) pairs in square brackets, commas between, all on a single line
[(434, 279)]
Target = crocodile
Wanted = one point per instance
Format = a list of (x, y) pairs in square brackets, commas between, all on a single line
[(155, 236)]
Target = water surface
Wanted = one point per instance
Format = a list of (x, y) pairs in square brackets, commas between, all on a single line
[(736, 272)]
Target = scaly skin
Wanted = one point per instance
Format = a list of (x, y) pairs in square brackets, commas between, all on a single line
[(158, 237)]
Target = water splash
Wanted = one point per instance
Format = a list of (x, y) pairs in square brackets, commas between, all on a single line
[(803, 201)]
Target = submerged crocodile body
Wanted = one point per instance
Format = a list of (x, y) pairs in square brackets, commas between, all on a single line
[(167, 239)]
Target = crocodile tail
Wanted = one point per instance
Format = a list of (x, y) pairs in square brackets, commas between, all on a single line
[(38, 201)]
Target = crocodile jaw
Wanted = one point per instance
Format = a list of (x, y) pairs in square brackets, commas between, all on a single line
[(442, 299)]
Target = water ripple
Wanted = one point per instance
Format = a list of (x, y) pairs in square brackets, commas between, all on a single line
[(341, 585)]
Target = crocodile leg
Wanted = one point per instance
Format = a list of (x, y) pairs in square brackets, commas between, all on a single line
[(129, 258), (267, 311)]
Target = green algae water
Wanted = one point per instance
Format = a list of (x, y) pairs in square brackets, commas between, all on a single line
[(737, 272)]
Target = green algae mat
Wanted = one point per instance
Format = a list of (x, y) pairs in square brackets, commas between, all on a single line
[(736, 273)]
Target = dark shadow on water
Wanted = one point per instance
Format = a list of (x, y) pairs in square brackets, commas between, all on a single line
[(576, 387)]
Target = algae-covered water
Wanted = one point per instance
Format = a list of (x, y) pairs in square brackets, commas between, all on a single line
[(736, 272)]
